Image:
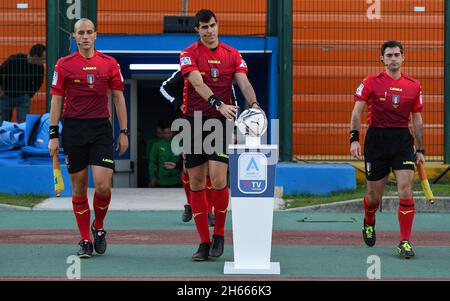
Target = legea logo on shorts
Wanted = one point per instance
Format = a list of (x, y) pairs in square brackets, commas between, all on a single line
[(252, 173)]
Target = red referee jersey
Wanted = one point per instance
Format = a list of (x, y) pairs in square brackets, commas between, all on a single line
[(217, 68), (86, 83), (390, 102)]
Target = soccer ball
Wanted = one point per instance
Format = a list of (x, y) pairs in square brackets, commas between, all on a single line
[(252, 122)]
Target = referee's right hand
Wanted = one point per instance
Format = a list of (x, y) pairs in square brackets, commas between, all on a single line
[(229, 111), (122, 144), (53, 146)]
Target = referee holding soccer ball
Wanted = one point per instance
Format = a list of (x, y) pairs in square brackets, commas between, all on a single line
[(209, 67)]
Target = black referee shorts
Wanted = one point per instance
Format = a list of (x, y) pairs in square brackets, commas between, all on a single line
[(209, 144), (387, 149), (88, 142)]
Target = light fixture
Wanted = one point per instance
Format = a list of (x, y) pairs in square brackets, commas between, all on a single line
[(154, 66)]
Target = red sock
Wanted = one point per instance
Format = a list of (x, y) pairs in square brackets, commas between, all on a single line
[(369, 211), (220, 202), (199, 207), (101, 204), (405, 217), (209, 194), (82, 215), (187, 188)]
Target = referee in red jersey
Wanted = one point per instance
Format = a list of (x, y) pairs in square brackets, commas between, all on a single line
[(209, 68), (84, 79), (392, 97)]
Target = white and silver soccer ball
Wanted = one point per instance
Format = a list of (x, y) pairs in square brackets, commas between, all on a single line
[(252, 122)]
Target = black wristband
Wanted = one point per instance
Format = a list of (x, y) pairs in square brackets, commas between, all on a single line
[(354, 136), (422, 151), (214, 101), (54, 131), (125, 132), (251, 106)]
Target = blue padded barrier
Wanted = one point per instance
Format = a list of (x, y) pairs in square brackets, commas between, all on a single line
[(319, 179)]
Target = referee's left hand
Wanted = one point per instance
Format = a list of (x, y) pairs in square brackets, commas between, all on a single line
[(53, 146), (256, 106), (355, 150), (122, 146)]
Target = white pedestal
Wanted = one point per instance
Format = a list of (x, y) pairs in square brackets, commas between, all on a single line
[(252, 183), (252, 141), (231, 268), (252, 236)]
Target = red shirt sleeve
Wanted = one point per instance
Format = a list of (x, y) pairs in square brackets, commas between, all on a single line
[(363, 91), (116, 79), (417, 105), (58, 87), (241, 65), (188, 62)]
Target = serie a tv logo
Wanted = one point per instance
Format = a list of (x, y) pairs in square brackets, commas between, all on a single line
[(252, 175)]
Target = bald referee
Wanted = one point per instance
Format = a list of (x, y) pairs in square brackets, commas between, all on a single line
[(84, 80)]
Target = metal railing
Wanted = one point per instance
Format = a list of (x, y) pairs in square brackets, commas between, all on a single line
[(336, 44), (22, 25), (235, 17)]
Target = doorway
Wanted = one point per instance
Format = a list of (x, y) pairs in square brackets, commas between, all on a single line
[(151, 108)]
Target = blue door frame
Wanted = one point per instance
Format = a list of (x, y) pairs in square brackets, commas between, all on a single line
[(260, 53)]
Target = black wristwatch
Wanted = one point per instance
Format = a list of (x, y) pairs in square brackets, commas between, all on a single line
[(215, 101), (124, 131), (422, 151)]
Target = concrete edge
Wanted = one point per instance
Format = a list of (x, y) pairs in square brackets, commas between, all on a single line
[(12, 207), (389, 204), (278, 206), (334, 205)]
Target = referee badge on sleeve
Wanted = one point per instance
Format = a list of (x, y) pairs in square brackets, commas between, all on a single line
[(185, 61), (55, 78), (121, 77), (359, 90)]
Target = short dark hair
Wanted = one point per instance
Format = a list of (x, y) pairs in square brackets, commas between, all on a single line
[(37, 49), (164, 124), (391, 44), (204, 15)]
